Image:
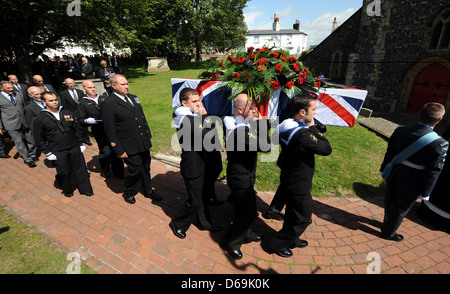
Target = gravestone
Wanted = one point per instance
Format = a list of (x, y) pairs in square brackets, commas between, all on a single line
[(157, 64)]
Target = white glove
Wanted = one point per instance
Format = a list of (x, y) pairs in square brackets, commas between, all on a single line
[(50, 156), (82, 148), (90, 121)]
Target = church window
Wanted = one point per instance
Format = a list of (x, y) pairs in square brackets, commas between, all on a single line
[(440, 34)]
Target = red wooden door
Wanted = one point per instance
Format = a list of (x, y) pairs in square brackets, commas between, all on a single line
[(431, 85)]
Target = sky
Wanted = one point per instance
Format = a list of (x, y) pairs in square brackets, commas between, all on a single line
[(316, 17)]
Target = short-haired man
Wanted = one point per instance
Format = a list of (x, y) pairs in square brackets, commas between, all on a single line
[(300, 141), (57, 136), (415, 176), (12, 120), (128, 131), (191, 132), (38, 81)]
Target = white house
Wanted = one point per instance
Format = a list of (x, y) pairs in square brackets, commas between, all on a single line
[(292, 40)]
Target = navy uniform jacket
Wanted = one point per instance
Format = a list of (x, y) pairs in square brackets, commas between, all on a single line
[(52, 135), (299, 144), (413, 181), (190, 133), (243, 142), (89, 108), (125, 125)]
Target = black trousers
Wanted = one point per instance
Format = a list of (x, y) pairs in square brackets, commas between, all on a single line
[(72, 161), (396, 207), (193, 211), (107, 157), (138, 171), (244, 213)]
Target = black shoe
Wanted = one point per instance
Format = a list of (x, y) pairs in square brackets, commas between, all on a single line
[(216, 201), (255, 237), (284, 252), (4, 156), (67, 194), (30, 163), (88, 194), (154, 196), (177, 232), (105, 175), (34, 158), (396, 237), (88, 143), (299, 243), (235, 253), (129, 199), (272, 214)]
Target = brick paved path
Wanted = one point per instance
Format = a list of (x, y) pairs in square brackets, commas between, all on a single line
[(113, 236)]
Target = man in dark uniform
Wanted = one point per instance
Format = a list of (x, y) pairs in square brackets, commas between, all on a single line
[(243, 141), (127, 130), (57, 136), (415, 176), (300, 141), (90, 115), (191, 133)]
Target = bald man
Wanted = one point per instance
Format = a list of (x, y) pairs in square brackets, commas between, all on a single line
[(90, 116), (38, 81), (243, 141)]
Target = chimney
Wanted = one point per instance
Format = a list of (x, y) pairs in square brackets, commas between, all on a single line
[(297, 25), (276, 23), (335, 25)]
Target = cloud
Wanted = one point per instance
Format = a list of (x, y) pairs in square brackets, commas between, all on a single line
[(320, 28), (250, 17), (288, 11)]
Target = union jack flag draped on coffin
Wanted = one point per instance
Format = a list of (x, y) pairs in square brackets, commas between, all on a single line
[(335, 107)]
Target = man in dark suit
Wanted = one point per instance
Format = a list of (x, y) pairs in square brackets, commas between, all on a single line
[(87, 70), (243, 142), (12, 120), (32, 110), (105, 74), (73, 69), (57, 136), (70, 98), (300, 141), (115, 63), (20, 87), (191, 133), (416, 176), (130, 136), (90, 115), (38, 81)]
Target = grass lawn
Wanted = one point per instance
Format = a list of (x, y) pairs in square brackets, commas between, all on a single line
[(23, 250), (351, 170)]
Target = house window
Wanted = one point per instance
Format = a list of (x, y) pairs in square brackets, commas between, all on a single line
[(440, 34), (256, 39)]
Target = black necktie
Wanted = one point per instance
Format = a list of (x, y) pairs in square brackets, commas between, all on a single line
[(11, 96), (129, 100)]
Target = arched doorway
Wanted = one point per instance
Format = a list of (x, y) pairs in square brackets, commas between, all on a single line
[(432, 84)]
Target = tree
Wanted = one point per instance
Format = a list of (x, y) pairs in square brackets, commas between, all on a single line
[(213, 23), (34, 26)]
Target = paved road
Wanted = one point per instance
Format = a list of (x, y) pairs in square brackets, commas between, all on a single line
[(113, 236)]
